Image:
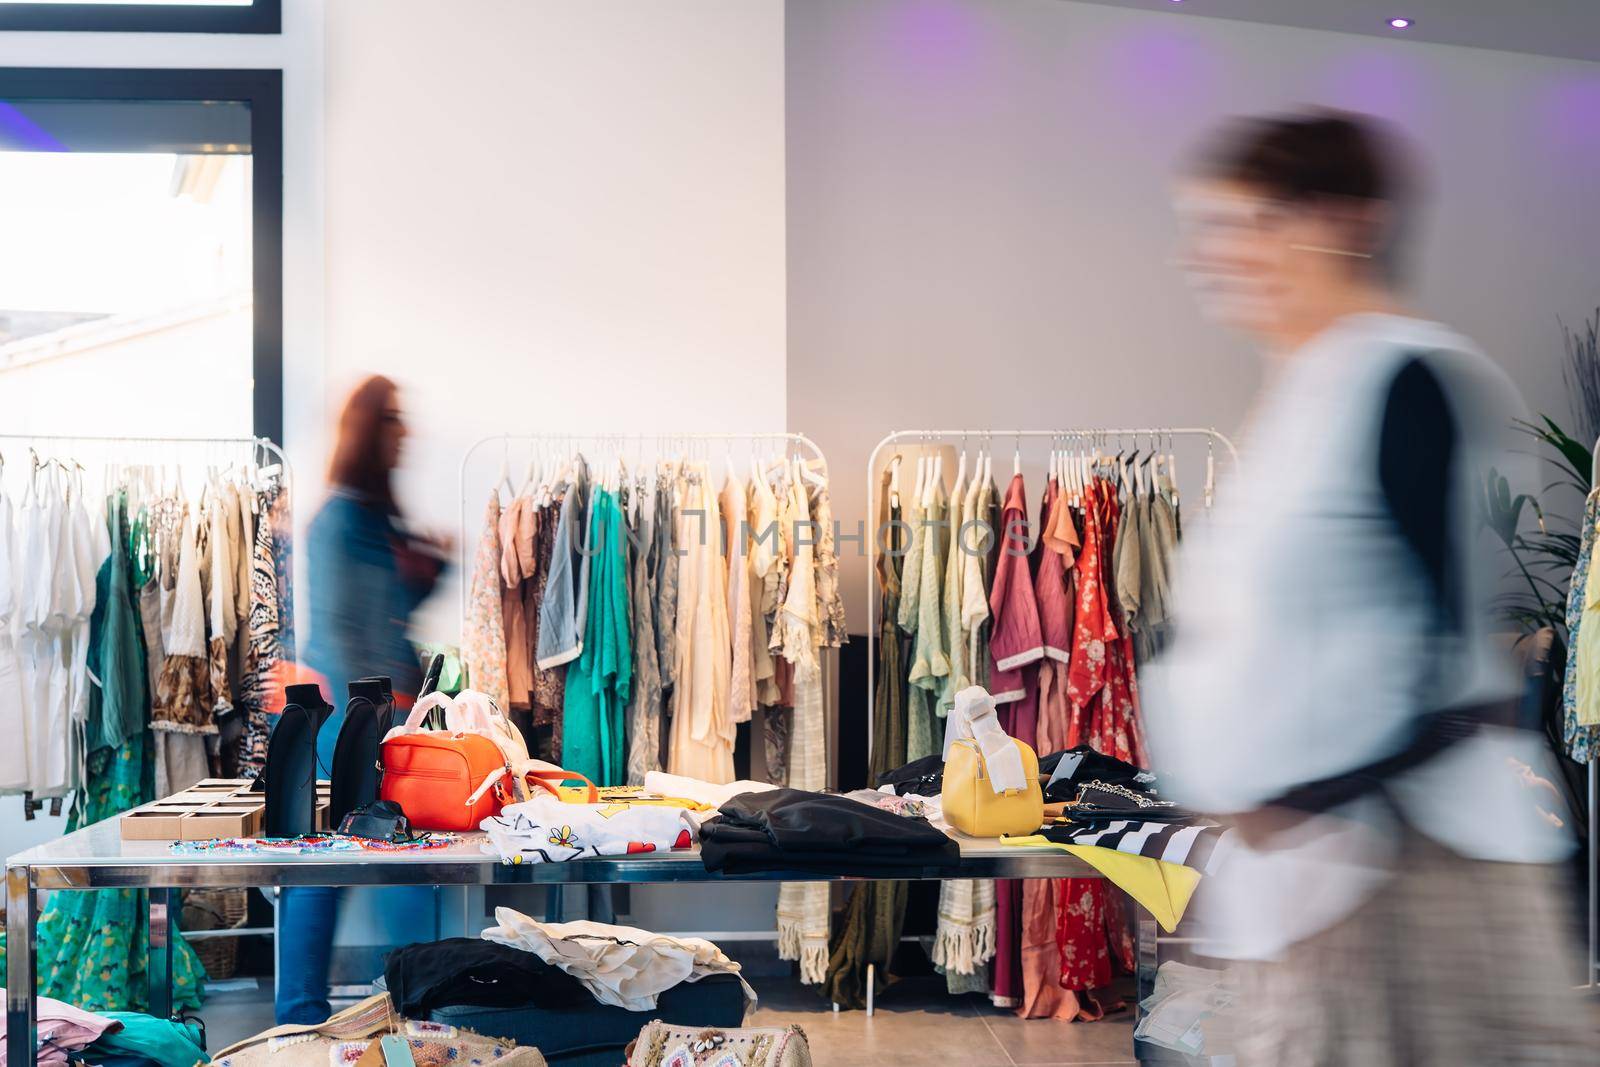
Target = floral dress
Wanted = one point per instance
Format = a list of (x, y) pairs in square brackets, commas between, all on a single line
[(1105, 715)]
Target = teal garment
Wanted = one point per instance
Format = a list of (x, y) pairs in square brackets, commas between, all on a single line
[(144, 1037), (94, 946), (600, 681), (119, 705)]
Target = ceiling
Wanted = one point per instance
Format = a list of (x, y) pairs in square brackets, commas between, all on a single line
[(1566, 28)]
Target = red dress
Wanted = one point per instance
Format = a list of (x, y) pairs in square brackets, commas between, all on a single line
[(1104, 695)]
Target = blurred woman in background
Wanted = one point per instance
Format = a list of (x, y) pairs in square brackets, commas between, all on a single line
[(1334, 689), (368, 575)]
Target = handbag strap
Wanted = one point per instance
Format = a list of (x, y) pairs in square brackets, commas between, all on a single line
[(419, 712), (974, 716), (473, 712), (550, 779)]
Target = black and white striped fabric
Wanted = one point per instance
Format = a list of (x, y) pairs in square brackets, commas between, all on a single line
[(1200, 846)]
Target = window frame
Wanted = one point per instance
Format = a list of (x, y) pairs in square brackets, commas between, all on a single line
[(262, 90), (261, 16)]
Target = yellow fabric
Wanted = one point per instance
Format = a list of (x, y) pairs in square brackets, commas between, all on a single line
[(970, 804), (1163, 889), (629, 795), (1586, 707)]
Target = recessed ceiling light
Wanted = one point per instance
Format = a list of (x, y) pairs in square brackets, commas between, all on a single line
[(1400, 23)]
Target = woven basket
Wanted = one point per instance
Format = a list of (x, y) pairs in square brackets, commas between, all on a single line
[(216, 909)]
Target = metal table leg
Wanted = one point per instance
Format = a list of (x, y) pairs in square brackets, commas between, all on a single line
[(162, 916), (22, 920)]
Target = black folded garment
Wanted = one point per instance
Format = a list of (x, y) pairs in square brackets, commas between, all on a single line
[(923, 777), (795, 830), (1072, 768), (469, 970)]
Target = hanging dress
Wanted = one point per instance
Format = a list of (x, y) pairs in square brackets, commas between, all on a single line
[(702, 734), (644, 706), (735, 541), (263, 651), (13, 713), (183, 697), (601, 679), (49, 576), (957, 674), (483, 641), (803, 927)]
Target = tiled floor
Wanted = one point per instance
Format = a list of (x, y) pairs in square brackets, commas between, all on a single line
[(915, 1022)]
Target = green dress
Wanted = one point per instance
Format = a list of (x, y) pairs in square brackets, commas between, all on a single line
[(600, 681), (94, 946)]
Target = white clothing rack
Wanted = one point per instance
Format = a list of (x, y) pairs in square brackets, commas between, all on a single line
[(1211, 435), (572, 441), (263, 443)]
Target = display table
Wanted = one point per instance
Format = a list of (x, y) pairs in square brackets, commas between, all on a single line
[(97, 857)]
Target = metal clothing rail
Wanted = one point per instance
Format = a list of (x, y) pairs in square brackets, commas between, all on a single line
[(263, 443), (662, 442), (1212, 436)]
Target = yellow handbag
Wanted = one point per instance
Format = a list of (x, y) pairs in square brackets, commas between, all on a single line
[(991, 780)]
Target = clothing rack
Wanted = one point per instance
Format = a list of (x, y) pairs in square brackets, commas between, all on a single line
[(1211, 435), (262, 443), (571, 441)]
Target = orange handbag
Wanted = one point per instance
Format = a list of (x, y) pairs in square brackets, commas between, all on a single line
[(443, 779), (434, 777)]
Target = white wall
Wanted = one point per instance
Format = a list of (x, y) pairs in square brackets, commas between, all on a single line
[(561, 215), (979, 219), (572, 222)]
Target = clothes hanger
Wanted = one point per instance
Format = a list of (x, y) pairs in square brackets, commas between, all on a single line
[(1211, 473), (1016, 458), (894, 480), (974, 487), (1172, 467), (503, 480)]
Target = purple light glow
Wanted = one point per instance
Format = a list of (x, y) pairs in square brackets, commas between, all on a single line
[(1399, 24)]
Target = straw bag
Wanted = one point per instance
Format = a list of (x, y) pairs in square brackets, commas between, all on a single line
[(345, 1037), (659, 1045), (991, 780)]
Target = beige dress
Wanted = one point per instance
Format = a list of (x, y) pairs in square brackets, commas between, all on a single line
[(701, 742), (741, 685)]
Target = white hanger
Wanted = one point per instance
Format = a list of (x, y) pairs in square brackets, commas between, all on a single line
[(1172, 470), (930, 492), (894, 480), (1016, 459), (922, 475), (503, 481), (1211, 475)]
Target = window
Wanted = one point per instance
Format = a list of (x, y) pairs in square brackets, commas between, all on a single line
[(141, 290), (163, 16)]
